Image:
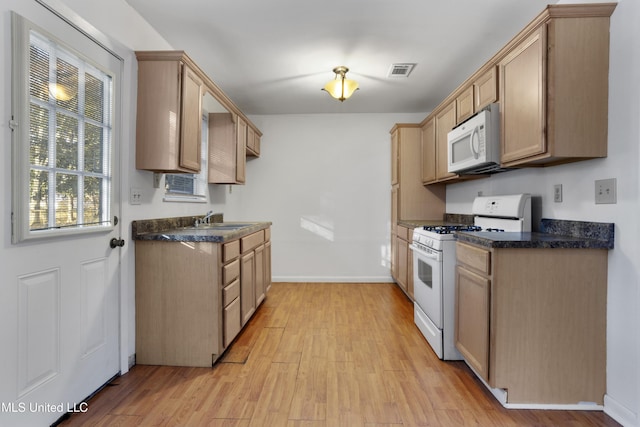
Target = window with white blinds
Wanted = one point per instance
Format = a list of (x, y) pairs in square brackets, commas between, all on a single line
[(190, 186), (70, 138)]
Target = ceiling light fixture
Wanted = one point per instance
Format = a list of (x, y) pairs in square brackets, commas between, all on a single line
[(341, 88), (60, 92)]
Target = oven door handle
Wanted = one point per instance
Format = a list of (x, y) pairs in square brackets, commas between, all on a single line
[(430, 254)]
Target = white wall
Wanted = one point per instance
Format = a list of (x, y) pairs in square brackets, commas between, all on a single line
[(623, 333), (323, 180), (331, 173)]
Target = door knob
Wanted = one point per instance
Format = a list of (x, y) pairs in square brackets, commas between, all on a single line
[(116, 242)]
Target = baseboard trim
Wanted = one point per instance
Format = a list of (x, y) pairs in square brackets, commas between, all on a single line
[(620, 413), (334, 279)]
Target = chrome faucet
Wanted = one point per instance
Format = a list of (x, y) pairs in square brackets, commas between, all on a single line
[(205, 219)]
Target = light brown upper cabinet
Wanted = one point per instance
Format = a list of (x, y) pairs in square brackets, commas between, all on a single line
[(173, 95), (241, 150), (551, 81), (428, 142), (168, 127), (227, 139), (554, 87), (445, 121), (434, 145), (485, 89), (464, 105), (410, 199), (394, 157), (253, 142)]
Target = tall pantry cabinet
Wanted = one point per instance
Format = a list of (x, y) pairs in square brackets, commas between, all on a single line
[(410, 199)]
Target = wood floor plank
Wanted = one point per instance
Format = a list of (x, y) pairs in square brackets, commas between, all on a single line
[(310, 395), (274, 403), (343, 395), (319, 355)]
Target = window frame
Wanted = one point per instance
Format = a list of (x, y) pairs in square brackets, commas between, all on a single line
[(20, 126)]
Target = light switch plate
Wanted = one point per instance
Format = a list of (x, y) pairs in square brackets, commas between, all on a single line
[(605, 190), (135, 196)]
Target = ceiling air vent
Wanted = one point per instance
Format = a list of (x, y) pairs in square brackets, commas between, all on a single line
[(400, 70)]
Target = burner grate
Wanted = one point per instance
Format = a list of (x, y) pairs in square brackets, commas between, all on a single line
[(449, 229)]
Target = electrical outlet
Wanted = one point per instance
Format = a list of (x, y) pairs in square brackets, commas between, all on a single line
[(135, 196), (605, 190), (557, 193)]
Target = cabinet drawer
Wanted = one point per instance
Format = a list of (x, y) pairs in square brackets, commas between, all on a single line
[(476, 258), (230, 250), (404, 233), (231, 292), (231, 320), (230, 272), (251, 241)]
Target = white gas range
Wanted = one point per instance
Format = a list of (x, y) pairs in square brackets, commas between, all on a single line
[(434, 260)]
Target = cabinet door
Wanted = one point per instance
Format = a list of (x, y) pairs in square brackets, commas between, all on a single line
[(267, 267), (256, 143), (190, 120), (247, 286), (241, 150), (472, 319), (394, 208), (251, 141), (410, 272), (402, 248), (445, 121), (231, 321), (260, 275), (486, 89), (227, 148), (522, 82), (464, 105), (394, 156), (428, 143)]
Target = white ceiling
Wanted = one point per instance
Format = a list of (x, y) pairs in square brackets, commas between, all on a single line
[(274, 56)]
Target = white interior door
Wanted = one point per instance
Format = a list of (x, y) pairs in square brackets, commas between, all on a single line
[(60, 308)]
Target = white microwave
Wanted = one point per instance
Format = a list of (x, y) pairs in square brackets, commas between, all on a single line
[(474, 145)]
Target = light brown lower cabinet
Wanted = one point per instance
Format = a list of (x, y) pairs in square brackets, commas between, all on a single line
[(533, 321), (231, 315), (255, 271), (260, 278), (248, 286), (230, 292), (193, 298), (402, 270)]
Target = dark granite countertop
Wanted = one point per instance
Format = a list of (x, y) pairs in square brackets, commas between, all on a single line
[(553, 234), (181, 229)]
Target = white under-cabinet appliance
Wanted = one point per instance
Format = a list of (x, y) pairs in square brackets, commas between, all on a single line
[(434, 261), (474, 145)]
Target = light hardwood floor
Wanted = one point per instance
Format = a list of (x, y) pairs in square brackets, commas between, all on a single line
[(316, 355)]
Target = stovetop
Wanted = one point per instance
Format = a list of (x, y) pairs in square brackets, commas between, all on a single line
[(437, 236), (448, 229)]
